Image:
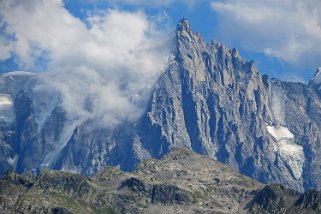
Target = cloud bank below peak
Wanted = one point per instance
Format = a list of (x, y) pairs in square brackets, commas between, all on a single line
[(289, 30), (104, 66)]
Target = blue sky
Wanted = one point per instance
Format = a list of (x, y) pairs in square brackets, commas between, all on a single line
[(284, 38)]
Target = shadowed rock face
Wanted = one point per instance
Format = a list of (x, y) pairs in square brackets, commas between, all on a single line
[(159, 193), (174, 184), (209, 99)]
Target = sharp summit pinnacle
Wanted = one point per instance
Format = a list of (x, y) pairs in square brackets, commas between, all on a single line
[(183, 24)]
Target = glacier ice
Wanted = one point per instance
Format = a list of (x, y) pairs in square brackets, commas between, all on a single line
[(290, 153)]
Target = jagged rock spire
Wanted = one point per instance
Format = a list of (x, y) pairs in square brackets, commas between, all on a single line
[(183, 24)]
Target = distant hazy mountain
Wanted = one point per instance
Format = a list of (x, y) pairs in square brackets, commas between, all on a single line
[(209, 99)]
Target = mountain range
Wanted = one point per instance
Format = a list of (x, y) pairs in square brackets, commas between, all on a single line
[(209, 99)]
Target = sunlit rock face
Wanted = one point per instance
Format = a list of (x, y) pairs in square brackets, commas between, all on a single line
[(218, 104), (208, 99)]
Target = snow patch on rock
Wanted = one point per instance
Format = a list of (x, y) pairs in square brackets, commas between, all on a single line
[(6, 108), (280, 132), (5, 101), (291, 153)]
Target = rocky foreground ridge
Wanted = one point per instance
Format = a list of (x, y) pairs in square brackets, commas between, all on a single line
[(181, 182)]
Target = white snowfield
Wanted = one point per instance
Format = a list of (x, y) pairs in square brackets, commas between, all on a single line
[(289, 152)]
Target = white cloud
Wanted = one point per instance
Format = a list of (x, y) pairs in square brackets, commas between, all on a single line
[(104, 66), (154, 3), (289, 29), (149, 3), (5, 51)]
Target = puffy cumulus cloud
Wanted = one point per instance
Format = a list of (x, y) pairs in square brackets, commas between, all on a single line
[(104, 66), (289, 29)]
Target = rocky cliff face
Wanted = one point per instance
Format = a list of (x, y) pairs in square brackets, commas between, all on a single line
[(213, 101), (209, 99)]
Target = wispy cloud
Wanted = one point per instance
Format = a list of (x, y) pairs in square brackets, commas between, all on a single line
[(149, 3), (153, 3), (289, 29), (104, 66)]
